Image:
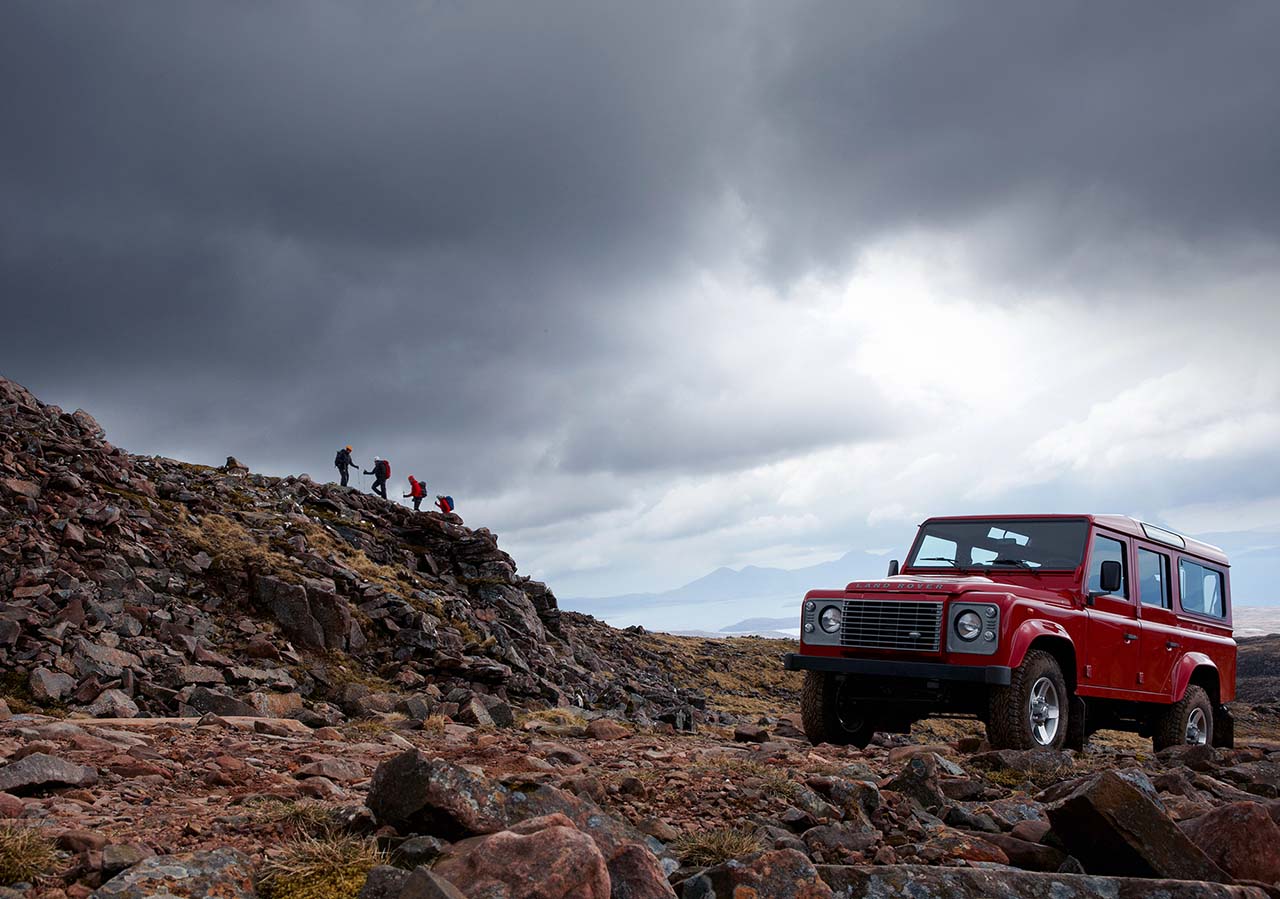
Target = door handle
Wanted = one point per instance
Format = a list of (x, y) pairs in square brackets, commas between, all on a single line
[(1129, 638), (1172, 644)]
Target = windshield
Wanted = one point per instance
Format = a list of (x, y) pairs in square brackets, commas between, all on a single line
[(1048, 544)]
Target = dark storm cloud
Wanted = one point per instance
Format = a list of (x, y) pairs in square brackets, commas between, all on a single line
[(446, 231), (1094, 122)]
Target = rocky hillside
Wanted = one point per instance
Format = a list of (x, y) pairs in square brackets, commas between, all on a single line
[(135, 586)]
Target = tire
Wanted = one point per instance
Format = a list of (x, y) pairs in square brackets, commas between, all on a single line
[(1013, 722), (829, 719), (1174, 726)]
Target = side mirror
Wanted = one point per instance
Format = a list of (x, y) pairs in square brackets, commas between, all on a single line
[(1111, 576), (893, 568)]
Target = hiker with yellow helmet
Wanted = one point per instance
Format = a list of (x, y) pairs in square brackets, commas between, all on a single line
[(344, 462)]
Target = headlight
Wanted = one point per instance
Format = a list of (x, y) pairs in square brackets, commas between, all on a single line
[(968, 625), (830, 619)]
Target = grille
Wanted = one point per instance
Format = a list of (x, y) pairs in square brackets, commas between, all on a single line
[(893, 624)]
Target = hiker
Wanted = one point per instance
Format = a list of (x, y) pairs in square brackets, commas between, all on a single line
[(444, 503), (417, 491), (344, 463), (381, 471)]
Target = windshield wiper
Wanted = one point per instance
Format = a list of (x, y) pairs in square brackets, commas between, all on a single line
[(1021, 563), (954, 564)]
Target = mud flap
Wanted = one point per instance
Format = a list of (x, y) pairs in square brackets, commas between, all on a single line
[(1077, 727), (1224, 728)]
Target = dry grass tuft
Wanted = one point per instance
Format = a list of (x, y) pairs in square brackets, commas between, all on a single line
[(298, 816), (234, 549), (321, 541), (330, 866), (561, 717), (26, 853), (713, 847), (434, 725)]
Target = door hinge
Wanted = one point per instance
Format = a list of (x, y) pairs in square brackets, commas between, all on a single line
[(1088, 671), (1141, 677)]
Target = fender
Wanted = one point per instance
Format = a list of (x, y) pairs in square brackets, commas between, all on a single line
[(1027, 632), (1186, 667)]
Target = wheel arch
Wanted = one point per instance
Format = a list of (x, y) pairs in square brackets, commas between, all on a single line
[(1050, 638), (1198, 669)]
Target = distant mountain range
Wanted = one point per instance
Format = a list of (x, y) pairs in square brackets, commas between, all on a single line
[(749, 596)]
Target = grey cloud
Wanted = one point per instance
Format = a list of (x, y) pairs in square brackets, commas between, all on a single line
[(446, 232)]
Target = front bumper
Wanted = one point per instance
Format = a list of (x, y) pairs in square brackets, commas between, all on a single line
[(998, 675)]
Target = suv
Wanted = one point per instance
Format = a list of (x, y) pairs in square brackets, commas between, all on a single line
[(1045, 627)]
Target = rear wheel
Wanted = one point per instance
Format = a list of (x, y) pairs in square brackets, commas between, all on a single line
[(1032, 712), (830, 716), (1188, 721)]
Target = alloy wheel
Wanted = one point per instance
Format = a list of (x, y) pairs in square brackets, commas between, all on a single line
[(1045, 712), (1197, 728)]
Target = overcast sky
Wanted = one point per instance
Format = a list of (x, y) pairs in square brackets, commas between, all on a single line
[(652, 288)]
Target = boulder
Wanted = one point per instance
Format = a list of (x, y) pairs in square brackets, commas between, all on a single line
[(635, 873), (607, 729), (113, 704), (750, 733), (412, 791), (38, 771), (1112, 827), (546, 858), (918, 781), (340, 770), (50, 686), (780, 873), (1241, 838), (288, 604), (927, 882), (212, 874), (203, 700)]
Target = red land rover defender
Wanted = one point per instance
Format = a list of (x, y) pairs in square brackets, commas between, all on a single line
[(1046, 627)]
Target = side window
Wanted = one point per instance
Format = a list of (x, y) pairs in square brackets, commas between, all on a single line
[(1153, 578), (1200, 589), (1105, 549)]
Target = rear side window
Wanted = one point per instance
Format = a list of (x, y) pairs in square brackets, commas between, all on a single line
[(1106, 549), (1153, 579), (1200, 589)]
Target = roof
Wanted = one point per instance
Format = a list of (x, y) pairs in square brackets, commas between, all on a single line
[(1123, 524)]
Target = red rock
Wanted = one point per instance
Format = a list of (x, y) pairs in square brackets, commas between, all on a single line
[(40, 772), (1112, 827), (607, 729), (545, 858), (27, 489), (1242, 838), (636, 873), (81, 841), (10, 806), (335, 769)]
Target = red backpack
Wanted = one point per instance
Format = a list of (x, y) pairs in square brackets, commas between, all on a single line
[(386, 469)]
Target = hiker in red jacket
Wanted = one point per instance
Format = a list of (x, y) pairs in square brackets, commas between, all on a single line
[(381, 471), (417, 490), (444, 503)]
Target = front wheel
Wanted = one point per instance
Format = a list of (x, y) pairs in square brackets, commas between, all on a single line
[(830, 716), (1032, 712), (1188, 721)]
